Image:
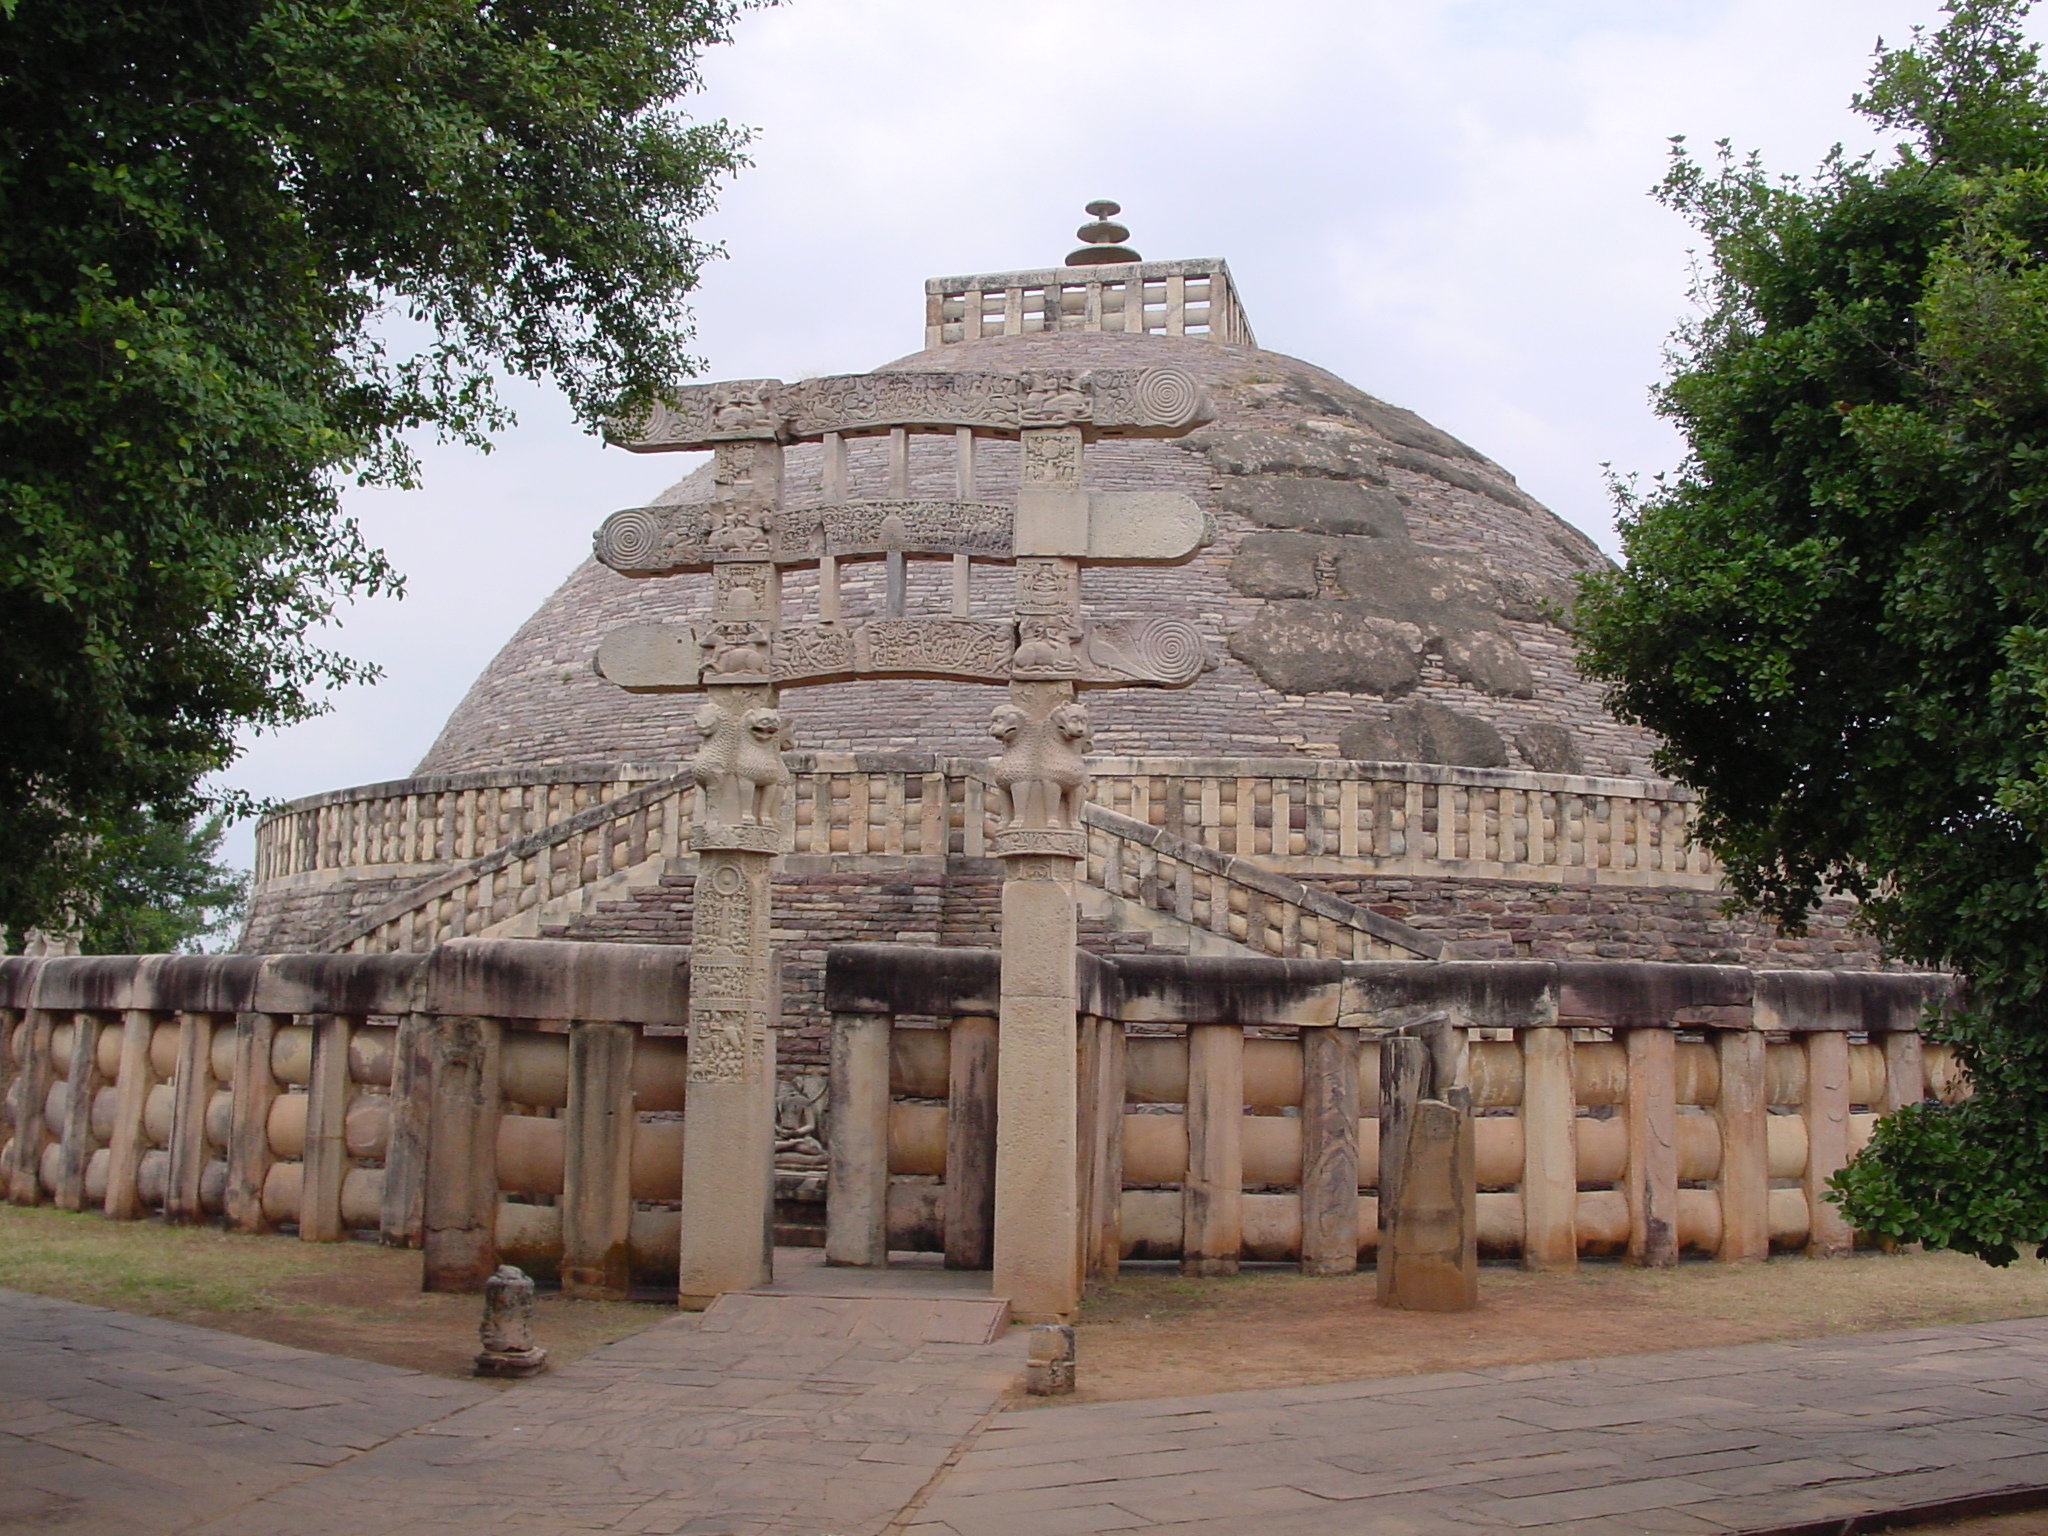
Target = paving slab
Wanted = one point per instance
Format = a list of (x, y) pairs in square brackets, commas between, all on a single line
[(1745, 1439)]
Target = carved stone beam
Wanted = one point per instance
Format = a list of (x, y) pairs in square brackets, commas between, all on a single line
[(1103, 402), (1120, 526), (1155, 652)]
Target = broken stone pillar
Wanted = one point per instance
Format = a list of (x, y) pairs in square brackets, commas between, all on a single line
[(507, 1330), (1049, 1371), (1429, 1192)]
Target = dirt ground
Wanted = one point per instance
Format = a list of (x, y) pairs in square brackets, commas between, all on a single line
[(1158, 1335), (355, 1299)]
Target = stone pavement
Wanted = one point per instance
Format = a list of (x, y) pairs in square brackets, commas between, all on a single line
[(806, 1413), (831, 1422), (1755, 1438)]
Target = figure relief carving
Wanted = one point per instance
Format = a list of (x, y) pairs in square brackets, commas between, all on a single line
[(953, 647), (748, 470), (804, 651), (1047, 586), (727, 1045), (918, 527), (738, 528), (739, 590), (736, 651), (1041, 775), (800, 1110), (1045, 647), (1054, 397), (1052, 458), (740, 774)]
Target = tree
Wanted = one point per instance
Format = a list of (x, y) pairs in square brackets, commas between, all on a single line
[(1835, 613), (159, 888), (209, 215)]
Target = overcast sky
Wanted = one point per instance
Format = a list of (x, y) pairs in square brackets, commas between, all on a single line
[(1443, 201)]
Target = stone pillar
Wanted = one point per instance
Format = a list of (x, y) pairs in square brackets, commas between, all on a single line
[(1429, 1253), (1550, 1166), (729, 1109), (192, 1090), (326, 1155), (1212, 1193), (1652, 1147), (460, 1207), (857, 1192), (1743, 1109), (81, 1082), (1829, 1235), (597, 1188), (728, 1197), (1043, 785), (1329, 1151), (131, 1097), (971, 1142)]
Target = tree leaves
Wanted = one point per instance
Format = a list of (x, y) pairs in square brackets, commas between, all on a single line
[(205, 212), (1836, 612)]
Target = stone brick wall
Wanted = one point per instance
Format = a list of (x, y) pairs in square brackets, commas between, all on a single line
[(1512, 920)]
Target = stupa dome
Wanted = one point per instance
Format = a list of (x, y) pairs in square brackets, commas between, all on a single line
[(1374, 588)]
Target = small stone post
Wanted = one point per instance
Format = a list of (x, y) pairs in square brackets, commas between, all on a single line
[(507, 1330), (1049, 1371), (1429, 1207)]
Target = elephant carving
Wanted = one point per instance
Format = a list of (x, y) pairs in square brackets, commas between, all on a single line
[(739, 769), (1041, 774)]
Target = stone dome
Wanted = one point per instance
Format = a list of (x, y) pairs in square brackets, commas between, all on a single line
[(1375, 589)]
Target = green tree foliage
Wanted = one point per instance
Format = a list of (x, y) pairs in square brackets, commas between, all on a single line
[(1835, 612), (158, 887), (212, 212)]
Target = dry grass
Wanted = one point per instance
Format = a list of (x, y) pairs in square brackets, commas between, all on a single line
[(356, 1299), (1156, 1334)]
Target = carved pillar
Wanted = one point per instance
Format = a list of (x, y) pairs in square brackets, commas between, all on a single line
[(1043, 785), (729, 1110)]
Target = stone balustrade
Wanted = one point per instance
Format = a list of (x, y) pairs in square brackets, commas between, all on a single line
[(1160, 298), (523, 1101), (482, 854), (1646, 1110)]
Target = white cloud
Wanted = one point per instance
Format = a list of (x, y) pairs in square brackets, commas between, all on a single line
[(1444, 201)]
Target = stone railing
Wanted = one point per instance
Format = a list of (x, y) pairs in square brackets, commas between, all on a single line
[(1260, 827), (483, 1100), (1238, 899), (1643, 1109), (1159, 298), (1299, 816)]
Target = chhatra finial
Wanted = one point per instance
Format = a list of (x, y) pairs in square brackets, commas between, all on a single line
[(1105, 245)]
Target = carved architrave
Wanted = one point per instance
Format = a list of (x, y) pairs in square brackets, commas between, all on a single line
[(808, 653), (705, 414), (1112, 401), (917, 527), (935, 647), (651, 541)]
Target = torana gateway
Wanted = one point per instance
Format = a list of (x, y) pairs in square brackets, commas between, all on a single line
[(1090, 789)]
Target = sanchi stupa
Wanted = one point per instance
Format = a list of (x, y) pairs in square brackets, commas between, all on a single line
[(1387, 751), (1092, 791)]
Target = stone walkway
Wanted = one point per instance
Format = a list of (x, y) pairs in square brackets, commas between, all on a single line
[(806, 1414), (1757, 1438)]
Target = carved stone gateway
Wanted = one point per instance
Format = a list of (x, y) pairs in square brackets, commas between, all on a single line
[(1045, 649)]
